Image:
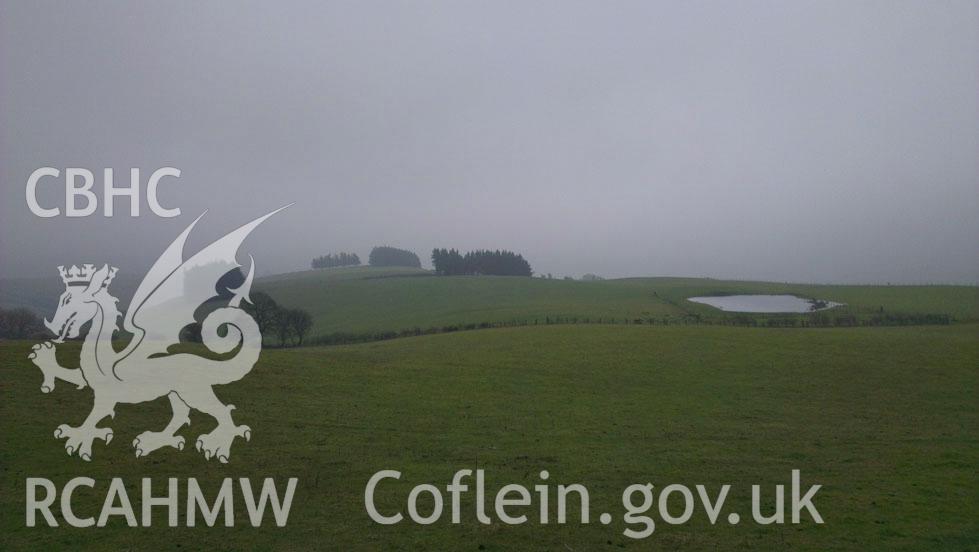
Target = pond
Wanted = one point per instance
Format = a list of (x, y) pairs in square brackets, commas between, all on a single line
[(764, 303)]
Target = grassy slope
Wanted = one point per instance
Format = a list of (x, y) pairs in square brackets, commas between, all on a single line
[(884, 418), (346, 300), (365, 299)]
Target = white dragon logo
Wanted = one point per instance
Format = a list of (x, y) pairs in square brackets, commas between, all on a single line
[(162, 306)]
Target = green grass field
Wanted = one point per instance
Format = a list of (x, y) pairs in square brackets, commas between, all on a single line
[(886, 419), (365, 299)]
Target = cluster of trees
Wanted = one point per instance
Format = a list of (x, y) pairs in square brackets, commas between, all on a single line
[(380, 256), (392, 256), (448, 262), (277, 323), (20, 323), (331, 260), (445, 261)]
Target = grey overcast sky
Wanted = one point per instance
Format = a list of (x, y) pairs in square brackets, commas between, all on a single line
[(802, 141)]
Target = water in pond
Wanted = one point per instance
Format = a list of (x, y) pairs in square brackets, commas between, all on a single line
[(764, 303)]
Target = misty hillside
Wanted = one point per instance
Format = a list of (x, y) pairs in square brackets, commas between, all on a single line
[(41, 294), (364, 299), (369, 299)]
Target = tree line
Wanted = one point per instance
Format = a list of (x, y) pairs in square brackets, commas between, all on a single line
[(449, 262), (382, 255), (331, 260), (446, 262), (278, 325)]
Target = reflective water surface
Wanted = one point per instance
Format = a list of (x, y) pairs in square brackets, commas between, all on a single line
[(764, 303)]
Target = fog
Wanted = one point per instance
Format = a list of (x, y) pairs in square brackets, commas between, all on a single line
[(788, 141)]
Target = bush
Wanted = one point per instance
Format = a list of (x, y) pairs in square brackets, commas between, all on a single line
[(288, 326), (392, 256)]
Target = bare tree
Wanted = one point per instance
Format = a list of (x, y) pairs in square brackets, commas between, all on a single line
[(19, 323), (299, 322), (263, 309)]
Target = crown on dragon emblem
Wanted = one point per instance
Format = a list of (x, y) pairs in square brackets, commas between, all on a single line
[(74, 276), (164, 304)]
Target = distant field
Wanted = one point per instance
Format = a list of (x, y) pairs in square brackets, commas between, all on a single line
[(884, 418), (346, 273), (353, 300), (364, 299), (367, 299)]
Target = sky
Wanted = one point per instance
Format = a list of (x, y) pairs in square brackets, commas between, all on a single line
[(785, 141)]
